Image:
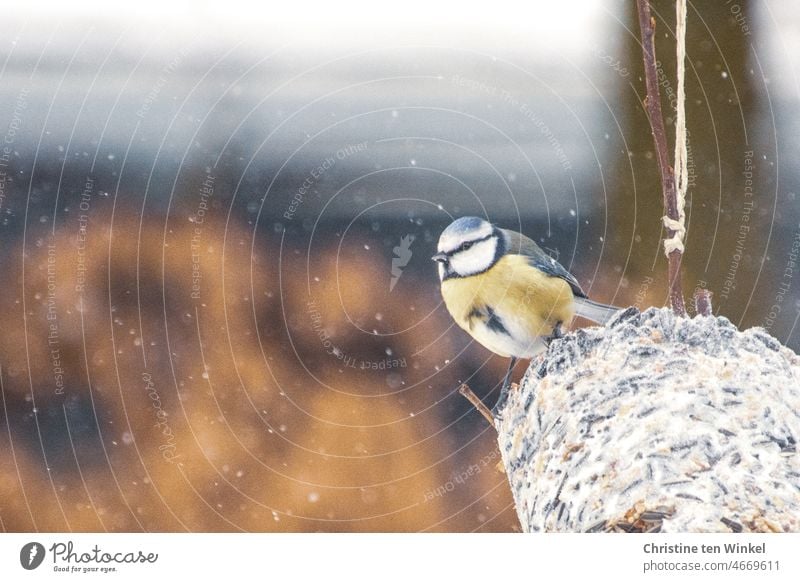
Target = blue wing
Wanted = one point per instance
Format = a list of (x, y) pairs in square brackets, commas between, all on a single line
[(519, 244)]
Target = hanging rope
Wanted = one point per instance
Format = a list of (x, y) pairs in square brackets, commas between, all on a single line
[(681, 154)]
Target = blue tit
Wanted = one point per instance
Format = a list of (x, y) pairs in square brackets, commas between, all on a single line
[(506, 292)]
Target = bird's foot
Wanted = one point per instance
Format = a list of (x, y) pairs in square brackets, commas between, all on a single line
[(557, 333)]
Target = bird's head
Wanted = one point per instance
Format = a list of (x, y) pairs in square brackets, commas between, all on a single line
[(469, 246)]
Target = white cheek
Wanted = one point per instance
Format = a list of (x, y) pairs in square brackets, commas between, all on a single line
[(476, 259)]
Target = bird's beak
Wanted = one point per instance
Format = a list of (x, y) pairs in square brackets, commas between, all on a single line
[(439, 258)]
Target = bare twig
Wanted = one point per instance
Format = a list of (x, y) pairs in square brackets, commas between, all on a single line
[(465, 391), (647, 25), (702, 302)]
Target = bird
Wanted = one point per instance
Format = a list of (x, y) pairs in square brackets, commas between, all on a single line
[(506, 292)]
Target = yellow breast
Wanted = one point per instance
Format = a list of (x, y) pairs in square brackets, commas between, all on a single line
[(527, 303)]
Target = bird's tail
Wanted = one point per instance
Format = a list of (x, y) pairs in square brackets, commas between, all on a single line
[(594, 311)]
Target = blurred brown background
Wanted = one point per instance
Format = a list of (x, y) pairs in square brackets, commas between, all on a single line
[(218, 308)]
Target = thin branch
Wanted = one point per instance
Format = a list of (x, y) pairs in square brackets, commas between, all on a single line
[(647, 24), (476, 402)]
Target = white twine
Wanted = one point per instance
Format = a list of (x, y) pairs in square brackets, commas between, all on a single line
[(681, 154)]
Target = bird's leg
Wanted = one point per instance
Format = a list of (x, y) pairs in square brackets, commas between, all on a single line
[(557, 333), (504, 390)]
